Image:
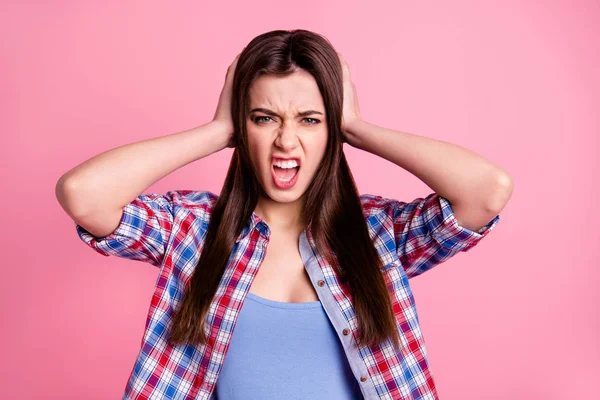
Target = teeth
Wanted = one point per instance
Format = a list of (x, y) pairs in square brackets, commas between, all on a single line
[(284, 180), (286, 164)]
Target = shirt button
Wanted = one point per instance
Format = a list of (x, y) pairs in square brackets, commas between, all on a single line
[(346, 331), (321, 283), (363, 378)]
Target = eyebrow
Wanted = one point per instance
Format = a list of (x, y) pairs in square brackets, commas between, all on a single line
[(273, 114)]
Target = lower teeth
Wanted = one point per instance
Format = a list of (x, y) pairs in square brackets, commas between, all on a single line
[(285, 180)]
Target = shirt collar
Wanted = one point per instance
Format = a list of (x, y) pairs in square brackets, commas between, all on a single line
[(255, 222)]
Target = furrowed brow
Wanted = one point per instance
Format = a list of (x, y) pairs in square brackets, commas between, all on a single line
[(274, 114)]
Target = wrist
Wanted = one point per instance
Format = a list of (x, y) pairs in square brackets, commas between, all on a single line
[(222, 132), (225, 127), (353, 131)]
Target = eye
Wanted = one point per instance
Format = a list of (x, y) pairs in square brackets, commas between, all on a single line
[(257, 119), (315, 121)]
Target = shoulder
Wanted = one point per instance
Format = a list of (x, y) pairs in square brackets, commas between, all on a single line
[(193, 198), (192, 203), (373, 204)]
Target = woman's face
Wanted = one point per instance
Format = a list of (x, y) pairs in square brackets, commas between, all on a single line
[(287, 120)]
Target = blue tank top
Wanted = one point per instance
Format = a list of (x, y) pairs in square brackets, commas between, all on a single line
[(283, 350)]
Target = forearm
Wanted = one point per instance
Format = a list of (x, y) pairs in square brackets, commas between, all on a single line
[(452, 171), (115, 177)]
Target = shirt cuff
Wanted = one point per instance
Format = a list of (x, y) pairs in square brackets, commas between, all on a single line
[(448, 233)]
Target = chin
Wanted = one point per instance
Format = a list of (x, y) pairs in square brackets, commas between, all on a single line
[(279, 196)]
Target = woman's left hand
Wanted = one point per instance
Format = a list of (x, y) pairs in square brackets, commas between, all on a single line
[(350, 110)]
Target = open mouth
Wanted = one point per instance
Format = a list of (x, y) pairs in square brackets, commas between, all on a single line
[(285, 177), (285, 174)]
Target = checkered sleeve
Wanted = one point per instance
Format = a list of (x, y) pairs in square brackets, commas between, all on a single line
[(142, 233), (427, 233)]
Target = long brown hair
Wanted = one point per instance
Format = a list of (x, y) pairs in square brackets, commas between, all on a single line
[(332, 204)]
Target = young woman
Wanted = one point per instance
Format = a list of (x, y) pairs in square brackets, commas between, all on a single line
[(288, 284)]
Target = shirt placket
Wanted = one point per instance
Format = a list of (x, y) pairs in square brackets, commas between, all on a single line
[(336, 318)]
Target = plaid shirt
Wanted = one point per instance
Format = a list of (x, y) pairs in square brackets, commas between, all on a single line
[(166, 230)]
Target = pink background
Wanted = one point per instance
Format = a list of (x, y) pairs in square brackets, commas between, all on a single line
[(517, 82)]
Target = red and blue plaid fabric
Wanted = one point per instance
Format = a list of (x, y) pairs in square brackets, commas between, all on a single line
[(168, 231)]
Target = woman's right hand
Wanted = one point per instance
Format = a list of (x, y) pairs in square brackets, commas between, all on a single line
[(223, 112)]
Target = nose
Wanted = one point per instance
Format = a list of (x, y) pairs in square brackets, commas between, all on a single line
[(287, 138)]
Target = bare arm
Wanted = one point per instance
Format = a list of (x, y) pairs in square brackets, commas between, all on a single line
[(477, 188), (95, 191)]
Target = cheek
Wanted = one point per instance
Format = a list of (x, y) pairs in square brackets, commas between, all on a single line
[(258, 149), (320, 145), (316, 151)]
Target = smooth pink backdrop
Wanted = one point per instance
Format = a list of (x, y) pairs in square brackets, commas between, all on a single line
[(517, 82)]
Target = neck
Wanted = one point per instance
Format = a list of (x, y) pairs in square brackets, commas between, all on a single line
[(280, 216)]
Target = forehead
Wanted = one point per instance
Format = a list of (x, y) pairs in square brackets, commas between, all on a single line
[(297, 91)]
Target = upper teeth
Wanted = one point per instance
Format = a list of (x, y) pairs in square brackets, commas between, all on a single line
[(286, 164)]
